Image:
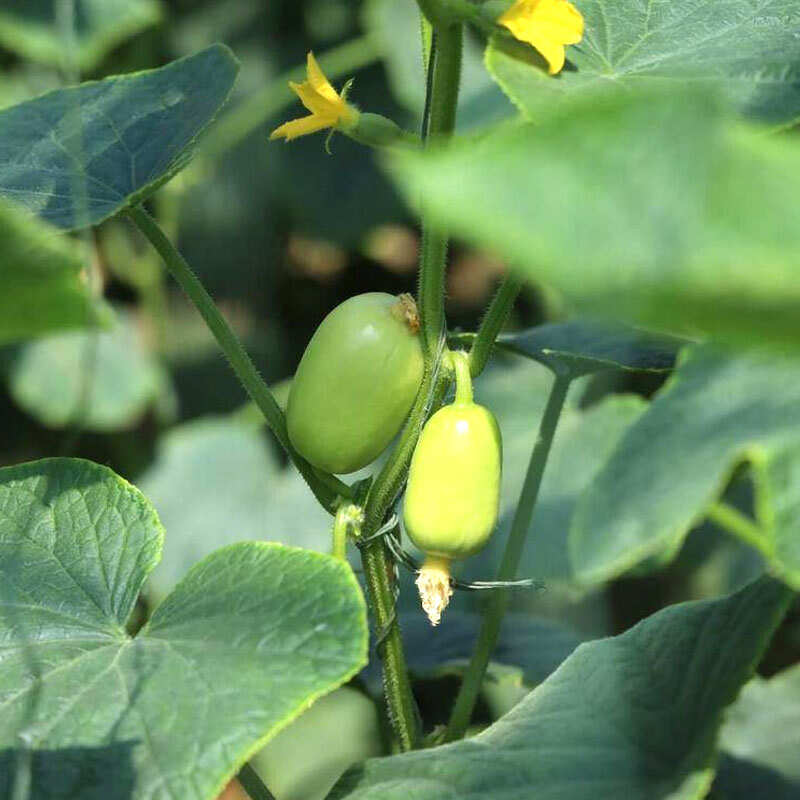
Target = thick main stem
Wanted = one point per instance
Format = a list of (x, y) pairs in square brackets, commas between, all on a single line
[(498, 602), (444, 76), (326, 488)]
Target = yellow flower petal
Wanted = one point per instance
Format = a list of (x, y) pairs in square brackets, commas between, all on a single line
[(319, 82), (314, 102), (547, 25), (552, 53), (302, 127)]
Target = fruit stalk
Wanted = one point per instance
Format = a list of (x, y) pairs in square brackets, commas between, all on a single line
[(498, 602)]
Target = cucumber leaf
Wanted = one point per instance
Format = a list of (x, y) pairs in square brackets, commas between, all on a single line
[(748, 50), (675, 461), (77, 156), (632, 716), (247, 640), (646, 208)]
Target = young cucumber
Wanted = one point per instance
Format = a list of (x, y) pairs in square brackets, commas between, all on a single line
[(453, 492), (356, 382)]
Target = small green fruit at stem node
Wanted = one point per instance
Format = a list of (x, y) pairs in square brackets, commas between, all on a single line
[(453, 493), (356, 382), (374, 130)]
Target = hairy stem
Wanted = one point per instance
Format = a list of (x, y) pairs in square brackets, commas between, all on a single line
[(444, 75), (492, 323), (403, 714), (498, 602), (326, 488)]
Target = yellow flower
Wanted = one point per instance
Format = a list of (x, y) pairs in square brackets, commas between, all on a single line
[(547, 25), (328, 108)]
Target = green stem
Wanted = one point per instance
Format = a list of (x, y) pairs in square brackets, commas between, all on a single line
[(236, 125), (498, 602), (252, 784), (444, 75), (326, 488), (732, 520), (493, 321)]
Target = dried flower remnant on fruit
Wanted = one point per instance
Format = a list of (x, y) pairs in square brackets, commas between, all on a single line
[(547, 25), (406, 311), (435, 590), (328, 108)]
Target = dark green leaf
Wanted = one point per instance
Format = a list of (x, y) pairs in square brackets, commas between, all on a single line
[(716, 412), (583, 347), (699, 236), (41, 272), (751, 50), (100, 381), (31, 28), (78, 156), (634, 716), (738, 779), (249, 637)]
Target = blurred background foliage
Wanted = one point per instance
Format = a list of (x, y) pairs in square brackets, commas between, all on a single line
[(280, 235)]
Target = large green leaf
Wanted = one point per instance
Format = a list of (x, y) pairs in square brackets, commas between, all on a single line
[(749, 49), (763, 726), (238, 490), (31, 28), (716, 412), (633, 716), (250, 636), (100, 381), (699, 236), (77, 156), (41, 272)]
